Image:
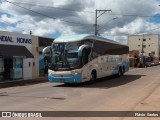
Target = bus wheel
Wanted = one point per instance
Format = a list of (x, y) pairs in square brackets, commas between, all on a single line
[(120, 73), (93, 76)]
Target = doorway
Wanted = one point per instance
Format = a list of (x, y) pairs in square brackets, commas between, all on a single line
[(8, 69)]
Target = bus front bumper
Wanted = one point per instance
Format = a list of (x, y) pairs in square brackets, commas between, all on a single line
[(75, 78)]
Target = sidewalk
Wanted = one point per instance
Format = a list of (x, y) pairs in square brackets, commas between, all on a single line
[(23, 82)]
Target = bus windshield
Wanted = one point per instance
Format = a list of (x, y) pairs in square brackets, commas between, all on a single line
[(64, 56)]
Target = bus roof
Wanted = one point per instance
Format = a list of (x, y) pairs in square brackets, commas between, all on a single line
[(73, 38)]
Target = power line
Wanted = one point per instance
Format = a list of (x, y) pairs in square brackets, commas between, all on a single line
[(66, 9), (137, 32), (131, 15), (150, 30), (10, 24), (100, 26), (78, 24), (2, 21)]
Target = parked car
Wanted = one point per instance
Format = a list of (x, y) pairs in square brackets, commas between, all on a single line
[(149, 64)]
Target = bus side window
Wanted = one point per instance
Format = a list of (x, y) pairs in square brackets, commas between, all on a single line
[(107, 59), (110, 59)]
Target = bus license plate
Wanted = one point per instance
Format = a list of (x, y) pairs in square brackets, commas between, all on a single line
[(61, 79)]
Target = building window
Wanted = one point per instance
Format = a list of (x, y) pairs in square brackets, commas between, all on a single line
[(44, 42), (33, 64), (29, 64), (139, 39), (18, 68), (144, 46), (138, 45), (144, 39), (149, 38), (149, 45)]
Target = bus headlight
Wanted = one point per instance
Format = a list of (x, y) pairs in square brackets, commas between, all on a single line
[(51, 74), (76, 72)]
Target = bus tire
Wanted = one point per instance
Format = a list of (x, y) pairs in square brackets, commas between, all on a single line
[(93, 76), (120, 72)]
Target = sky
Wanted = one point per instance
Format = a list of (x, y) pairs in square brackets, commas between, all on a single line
[(52, 18)]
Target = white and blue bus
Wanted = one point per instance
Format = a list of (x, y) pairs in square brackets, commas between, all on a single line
[(85, 57)]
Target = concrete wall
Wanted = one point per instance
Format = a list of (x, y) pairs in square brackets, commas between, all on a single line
[(35, 52), (27, 70)]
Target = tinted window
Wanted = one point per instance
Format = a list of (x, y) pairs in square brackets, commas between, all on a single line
[(44, 42)]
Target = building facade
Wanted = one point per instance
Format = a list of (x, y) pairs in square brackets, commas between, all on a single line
[(20, 55), (148, 43)]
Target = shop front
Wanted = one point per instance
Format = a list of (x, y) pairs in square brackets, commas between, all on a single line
[(15, 57), (11, 61)]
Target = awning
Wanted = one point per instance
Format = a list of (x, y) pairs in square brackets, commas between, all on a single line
[(14, 50)]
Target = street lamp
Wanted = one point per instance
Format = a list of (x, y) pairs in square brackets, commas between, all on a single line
[(112, 19)]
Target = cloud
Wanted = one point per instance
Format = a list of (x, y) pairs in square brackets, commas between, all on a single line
[(9, 19), (134, 27), (130, 15)]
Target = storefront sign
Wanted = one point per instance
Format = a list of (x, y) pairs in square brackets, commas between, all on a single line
[(6, 38), (24, 40), (18, 39)]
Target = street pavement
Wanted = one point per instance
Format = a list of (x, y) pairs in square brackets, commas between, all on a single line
[(137, 90)]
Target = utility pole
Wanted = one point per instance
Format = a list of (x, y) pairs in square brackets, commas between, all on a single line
[(142, 55), (142, 50), (97, 16)]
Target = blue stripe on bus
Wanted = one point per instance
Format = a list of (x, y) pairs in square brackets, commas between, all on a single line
[(66, 79)]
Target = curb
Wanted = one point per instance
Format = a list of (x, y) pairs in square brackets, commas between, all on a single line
[(23, 82)]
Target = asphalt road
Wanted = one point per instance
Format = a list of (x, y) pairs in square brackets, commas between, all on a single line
[(131, 92)]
